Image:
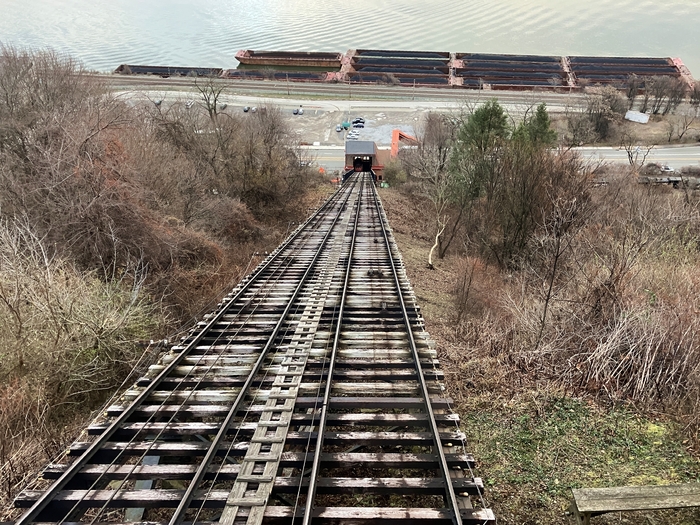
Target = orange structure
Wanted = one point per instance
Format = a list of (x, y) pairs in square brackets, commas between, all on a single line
[(396, 136)]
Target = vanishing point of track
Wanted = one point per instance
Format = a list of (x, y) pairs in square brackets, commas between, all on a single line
[(311, 395)]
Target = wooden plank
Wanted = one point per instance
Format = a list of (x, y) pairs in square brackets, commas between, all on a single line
[(375, 515), (339, 403), (287, 460), (614, 499), (397, 486), (392, 438), (234, 374), (113, 449), (376, 460), (169, 429), (297, 438), (160, 498), (378, 363), (383, 402), (142, 472), (216, 499), (349, 516)]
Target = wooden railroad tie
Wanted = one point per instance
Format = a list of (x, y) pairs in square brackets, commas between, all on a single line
[(314, 377), (596, 501)]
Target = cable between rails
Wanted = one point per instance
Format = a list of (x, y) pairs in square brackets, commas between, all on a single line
[(179, 514), (33, 512), (450, 494), (313, 478)]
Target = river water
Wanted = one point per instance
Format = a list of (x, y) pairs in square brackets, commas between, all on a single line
[(105, 33)]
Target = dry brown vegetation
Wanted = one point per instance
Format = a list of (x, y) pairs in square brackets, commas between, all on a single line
[(565, 311), (118, 223), (598, 118), (586, 335)]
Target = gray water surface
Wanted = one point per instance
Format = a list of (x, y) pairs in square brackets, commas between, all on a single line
[(105, 33)]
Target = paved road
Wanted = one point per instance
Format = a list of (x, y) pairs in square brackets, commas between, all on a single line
[(344, 98), (676, 157), (332, 157)]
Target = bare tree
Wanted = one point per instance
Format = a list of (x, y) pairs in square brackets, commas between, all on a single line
[(210, 90), (632, 89), (646, 97), (677, 92), (429, 163), (668, 93), (695, 96), (683, 122), (579, 127), (658, 87), (604, 108), (636, 153), (569, 209)]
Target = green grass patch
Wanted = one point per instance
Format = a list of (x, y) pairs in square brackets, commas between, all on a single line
[(533, 449)]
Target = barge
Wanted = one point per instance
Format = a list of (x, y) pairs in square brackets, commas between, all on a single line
[(437, 69), (616, 70), (168, 71), (289, 58)]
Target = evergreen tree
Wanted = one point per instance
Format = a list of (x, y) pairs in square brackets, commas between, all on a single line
[(537, 129), (484, 128)]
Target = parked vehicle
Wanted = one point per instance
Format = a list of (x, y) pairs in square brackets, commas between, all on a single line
[(295, 111), (358, 120), (358, 125), (246, 109), (339, 128)]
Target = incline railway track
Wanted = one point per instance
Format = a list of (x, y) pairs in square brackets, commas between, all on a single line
[(311, 395)]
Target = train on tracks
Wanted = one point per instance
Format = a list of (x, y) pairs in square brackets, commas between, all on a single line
[(312, 394)]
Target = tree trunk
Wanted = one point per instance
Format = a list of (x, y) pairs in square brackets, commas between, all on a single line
[(441, 228)]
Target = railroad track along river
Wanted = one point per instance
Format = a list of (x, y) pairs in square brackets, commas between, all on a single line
[(311, 395)]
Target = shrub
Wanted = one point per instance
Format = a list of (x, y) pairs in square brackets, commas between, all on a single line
[(66, 336), (394, 173)]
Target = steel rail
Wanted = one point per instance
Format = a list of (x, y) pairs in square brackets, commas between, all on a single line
[(451, 496), (279, 270), (316, 465), (35, 510), (179, 514), (276, 271), (192, 392)]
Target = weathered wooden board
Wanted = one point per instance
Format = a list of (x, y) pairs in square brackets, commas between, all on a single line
[(613, 499)]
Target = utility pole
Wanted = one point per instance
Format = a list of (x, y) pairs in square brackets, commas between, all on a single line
[(287, 75)]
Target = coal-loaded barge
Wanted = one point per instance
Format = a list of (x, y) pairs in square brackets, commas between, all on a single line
[(436, 69)]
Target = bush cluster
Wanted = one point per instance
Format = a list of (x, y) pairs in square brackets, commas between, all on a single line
[(119, 220), (591, 287)]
